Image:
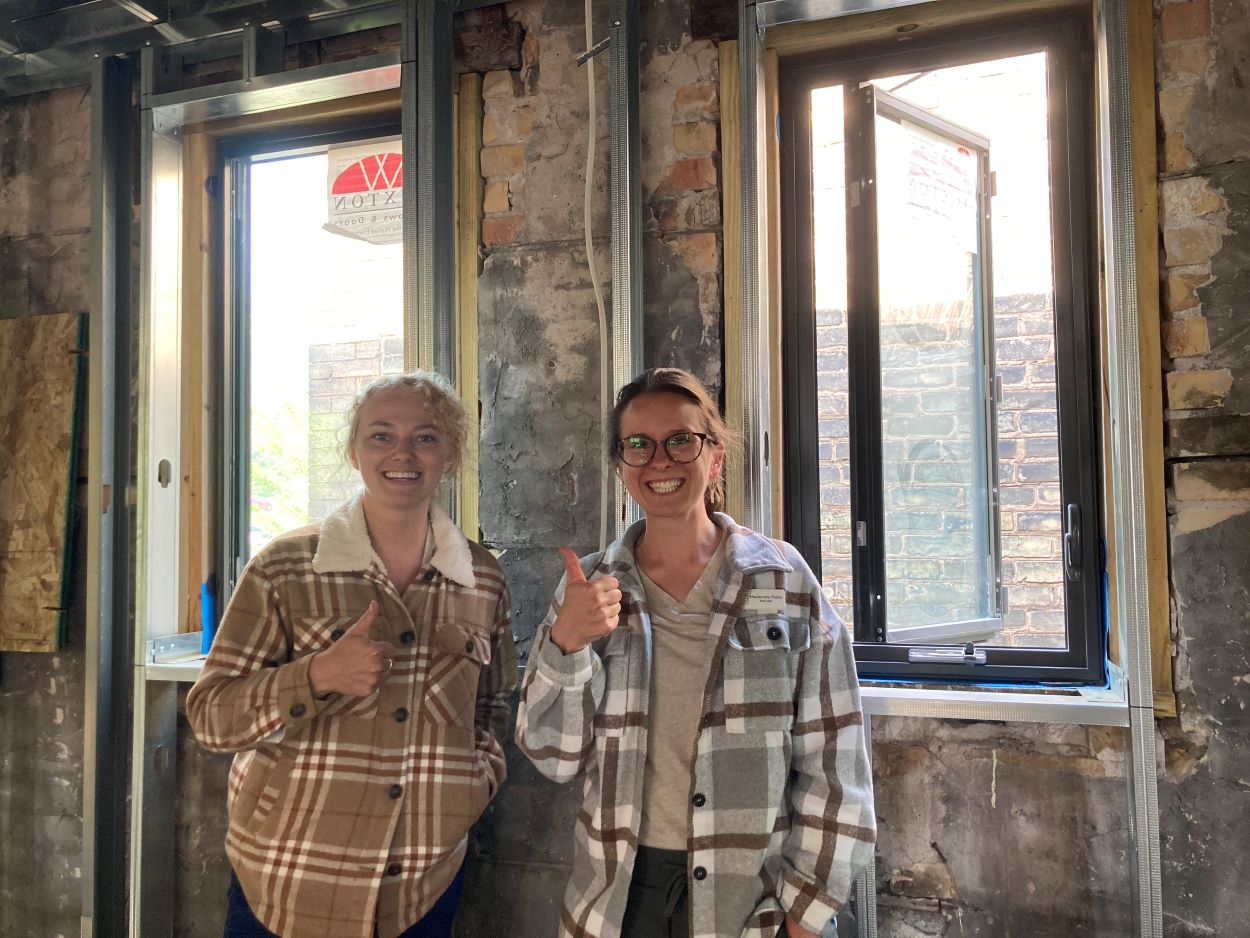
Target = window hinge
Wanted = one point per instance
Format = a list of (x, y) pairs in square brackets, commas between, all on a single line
[(1003, 605), (998, 389), (861, 533), (853, 193), (993, 184)]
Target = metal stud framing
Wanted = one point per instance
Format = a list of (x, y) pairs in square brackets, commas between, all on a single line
[(1129, 702), (1127, 461), (757, 476), (429, 197), (626, 194)]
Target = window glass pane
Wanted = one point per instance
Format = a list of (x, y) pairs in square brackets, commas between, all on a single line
[(934, 450), (829, 246), (326, 317), (1005, 100)]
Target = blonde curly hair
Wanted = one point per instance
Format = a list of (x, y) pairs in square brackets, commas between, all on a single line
[(434, 391)]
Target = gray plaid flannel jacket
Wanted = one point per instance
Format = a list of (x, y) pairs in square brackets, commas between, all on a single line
[(781, 812)]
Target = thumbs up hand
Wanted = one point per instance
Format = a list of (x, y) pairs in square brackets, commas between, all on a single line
[(589, 610), (354, 665)]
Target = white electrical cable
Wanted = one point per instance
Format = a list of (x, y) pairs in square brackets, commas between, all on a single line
[(605, 351)]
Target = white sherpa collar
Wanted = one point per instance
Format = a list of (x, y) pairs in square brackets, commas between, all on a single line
[(344, 545)]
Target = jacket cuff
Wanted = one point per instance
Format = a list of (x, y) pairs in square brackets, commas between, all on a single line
[(819, 908), (570, 670), (296, 701)]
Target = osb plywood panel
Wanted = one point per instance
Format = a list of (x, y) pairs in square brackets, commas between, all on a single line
[(38, 371)]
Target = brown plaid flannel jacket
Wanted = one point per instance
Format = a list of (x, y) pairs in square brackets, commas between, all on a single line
[(349, 811), (780, 802)]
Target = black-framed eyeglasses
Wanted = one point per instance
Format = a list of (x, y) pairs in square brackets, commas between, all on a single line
[(682, 446)]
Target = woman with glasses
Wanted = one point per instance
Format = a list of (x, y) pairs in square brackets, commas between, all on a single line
[(695, 676)]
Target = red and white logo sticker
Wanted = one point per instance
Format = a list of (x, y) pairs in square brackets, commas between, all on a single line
[(365, 192)]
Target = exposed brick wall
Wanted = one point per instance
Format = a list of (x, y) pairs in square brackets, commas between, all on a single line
[(931, 534), (336, 372)]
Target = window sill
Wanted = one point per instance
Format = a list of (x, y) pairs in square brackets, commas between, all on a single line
[(1097, 706)]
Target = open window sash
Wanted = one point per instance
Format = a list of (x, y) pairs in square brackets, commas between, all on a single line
[(924, 487)]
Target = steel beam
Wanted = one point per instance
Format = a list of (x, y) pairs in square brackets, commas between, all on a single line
[(108, 676)]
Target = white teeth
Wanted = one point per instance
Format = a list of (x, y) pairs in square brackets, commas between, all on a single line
[(401, 475), (665, 487)]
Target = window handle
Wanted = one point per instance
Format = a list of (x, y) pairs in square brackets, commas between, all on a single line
[(968, 653), (1072, 542)]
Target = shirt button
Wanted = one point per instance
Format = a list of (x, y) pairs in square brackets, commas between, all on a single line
[(401, 714), (336, 635), (429, 575), (774, 633), (408, 637), (699, 800), (297, 711), (394, 869), (700, 873), (395, 791), (468, 648)]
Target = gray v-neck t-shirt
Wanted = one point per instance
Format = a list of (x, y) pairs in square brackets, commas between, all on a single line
[(679, 637)]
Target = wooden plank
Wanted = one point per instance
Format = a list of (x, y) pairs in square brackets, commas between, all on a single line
[(39, 365), (468, 236), (1146, 222), (196, 502), (840, 32), (731, 262)]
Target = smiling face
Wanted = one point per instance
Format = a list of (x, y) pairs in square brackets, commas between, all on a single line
[(664, 488), (400, 451)]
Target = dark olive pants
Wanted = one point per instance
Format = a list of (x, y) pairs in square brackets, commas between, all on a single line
[(658, 904)]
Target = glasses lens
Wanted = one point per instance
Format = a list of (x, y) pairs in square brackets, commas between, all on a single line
[(684, 447), (636, 450)]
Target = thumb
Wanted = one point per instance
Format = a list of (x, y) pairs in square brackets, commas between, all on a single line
[(572, 566), (362, 625)]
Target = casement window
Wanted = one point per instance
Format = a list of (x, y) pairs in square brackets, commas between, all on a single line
[(940, 350)]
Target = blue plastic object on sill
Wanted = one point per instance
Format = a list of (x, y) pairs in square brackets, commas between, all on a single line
[(208, 613)]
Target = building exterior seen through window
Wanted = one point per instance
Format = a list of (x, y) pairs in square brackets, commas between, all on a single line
[(323, 315), (938, 469)]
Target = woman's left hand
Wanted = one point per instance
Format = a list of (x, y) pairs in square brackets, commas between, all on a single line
[(795, 930)]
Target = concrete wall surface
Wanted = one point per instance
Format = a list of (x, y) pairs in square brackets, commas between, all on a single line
[(986, 829)]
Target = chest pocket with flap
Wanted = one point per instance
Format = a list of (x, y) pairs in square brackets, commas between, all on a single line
[(458, 654), (760, 668)]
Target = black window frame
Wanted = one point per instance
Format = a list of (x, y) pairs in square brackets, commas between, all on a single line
[(1067, 39), (231, 344)]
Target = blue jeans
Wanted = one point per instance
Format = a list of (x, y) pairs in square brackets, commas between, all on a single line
[(241, 923)]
